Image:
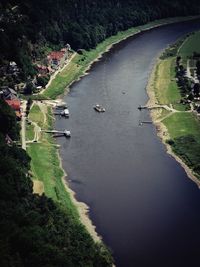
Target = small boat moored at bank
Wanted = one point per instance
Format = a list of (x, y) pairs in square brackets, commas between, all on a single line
[(67, 133), (61, 105), (65, 112)]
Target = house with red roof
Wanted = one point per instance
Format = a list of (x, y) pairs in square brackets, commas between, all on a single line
[(57, 58), (43, 70), (16, 106)]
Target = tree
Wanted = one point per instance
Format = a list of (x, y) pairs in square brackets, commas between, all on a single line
[(196, 89), (28, 88), (198, 67)]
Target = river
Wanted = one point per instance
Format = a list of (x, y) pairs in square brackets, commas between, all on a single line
[(143, 204)]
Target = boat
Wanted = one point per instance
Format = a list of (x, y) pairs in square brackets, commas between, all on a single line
[(99, 108), (65, 112), (67, 133), (61, 105)]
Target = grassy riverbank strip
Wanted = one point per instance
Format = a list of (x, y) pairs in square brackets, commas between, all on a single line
[(81, 63), (180, 128), (47, 173)]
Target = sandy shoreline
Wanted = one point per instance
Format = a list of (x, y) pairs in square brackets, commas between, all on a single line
[(162, 131), (82, 208)]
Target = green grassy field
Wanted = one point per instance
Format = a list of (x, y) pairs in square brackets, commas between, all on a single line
[(190, 45), (166, 88), (182, 124), (29, 132), (45, 163), (36, 115)]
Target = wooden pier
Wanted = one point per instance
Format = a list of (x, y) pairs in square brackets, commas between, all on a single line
[(145, 122), (142, 107), (65, 133)]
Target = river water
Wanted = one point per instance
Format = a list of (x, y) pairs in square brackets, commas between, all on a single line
[(141, 200)]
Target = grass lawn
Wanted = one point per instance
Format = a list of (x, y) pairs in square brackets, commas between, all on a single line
[(181, 107), (64, 78), (190, 45), (45, 164), (163, 113), (166, 88), (36, 115), (29, 132), (183, 124)]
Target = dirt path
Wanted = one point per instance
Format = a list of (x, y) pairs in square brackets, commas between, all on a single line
[(23, 125)]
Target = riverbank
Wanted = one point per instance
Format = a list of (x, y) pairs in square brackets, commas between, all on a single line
[(81, 63), (162, 88), (47, 173)]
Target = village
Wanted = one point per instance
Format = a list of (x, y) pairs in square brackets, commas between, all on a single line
[(15, 93)]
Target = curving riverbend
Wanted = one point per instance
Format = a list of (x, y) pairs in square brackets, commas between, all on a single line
[(140, 198)]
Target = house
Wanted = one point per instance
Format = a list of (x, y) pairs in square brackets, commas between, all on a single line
[(57, 58), (13, 68), (43, 70), (8, 93), (16, 106)]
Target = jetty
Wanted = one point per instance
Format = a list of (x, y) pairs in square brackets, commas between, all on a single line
[(169, 108), (56, 133), (145, 122), (142, 107)]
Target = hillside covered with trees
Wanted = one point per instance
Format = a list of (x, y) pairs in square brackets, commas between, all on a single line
[(28, 28), (35, 231)]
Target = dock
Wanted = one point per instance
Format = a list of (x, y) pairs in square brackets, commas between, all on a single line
[(145, 122), (65, 133), (142, 107)]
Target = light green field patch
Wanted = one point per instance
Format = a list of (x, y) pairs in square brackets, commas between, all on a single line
[(36, 115), (182, 124), (166, 88), (164, 113), (30, 132)]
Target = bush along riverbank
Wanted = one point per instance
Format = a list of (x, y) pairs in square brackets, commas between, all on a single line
[(172, 86), (81, 63)]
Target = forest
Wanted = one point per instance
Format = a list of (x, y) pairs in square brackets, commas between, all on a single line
[(35, 231), (29, 27)]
